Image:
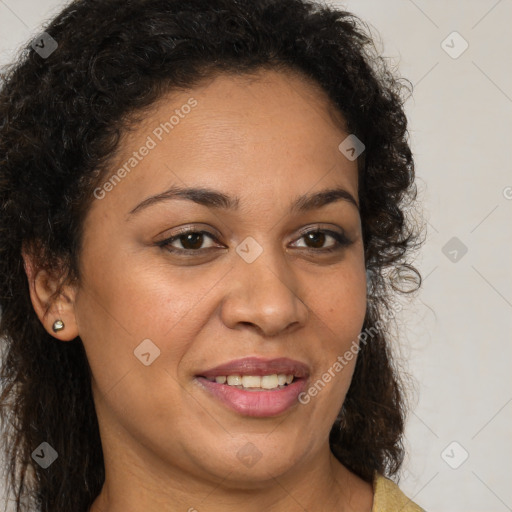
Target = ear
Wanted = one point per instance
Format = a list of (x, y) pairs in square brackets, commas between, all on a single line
[(51, 300)]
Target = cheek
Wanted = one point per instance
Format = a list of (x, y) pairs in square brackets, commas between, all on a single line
[(339, 310), (340, 305), (126, 302)]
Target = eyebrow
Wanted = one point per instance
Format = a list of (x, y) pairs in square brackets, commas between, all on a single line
[(215, 199)]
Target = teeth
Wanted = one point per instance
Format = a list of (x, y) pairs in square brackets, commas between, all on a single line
[(234, 380), (269, 382), (273, 381), (249, 381)]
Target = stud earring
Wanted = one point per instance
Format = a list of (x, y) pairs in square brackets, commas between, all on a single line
[(58, 325)]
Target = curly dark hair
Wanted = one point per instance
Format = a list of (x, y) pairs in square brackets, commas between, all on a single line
[(61, 119)]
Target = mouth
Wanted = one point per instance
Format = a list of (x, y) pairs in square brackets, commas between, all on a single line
[(254, 386), (255, 382)]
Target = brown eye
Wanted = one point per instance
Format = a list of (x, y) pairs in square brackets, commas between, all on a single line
[(316, 239), (191, 241)]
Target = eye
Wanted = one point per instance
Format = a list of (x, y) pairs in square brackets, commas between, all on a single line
[(191, 241), (317, 238)]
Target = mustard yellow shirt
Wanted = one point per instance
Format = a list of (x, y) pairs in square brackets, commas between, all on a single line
[(387, 497)]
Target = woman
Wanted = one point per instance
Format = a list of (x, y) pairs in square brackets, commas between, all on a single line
[(202, 230)]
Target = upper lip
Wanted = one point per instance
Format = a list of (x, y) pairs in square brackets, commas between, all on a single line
[(258, 366)]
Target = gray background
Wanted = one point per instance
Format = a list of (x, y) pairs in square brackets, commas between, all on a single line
[(455, 336)]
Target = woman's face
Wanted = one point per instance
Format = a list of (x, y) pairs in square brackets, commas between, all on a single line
[(158, 319)]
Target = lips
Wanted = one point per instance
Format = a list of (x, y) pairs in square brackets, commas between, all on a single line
[(252, 402), (258, 366)]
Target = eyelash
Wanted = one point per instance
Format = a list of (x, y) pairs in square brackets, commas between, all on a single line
[(341, 241)]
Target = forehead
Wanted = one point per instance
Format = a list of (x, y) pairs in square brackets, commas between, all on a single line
[(236, 108), (271, 132)]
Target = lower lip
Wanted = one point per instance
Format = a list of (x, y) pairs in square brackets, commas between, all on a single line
[(255, 403)]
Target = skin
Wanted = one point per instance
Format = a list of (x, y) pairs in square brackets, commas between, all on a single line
[(168, 445)]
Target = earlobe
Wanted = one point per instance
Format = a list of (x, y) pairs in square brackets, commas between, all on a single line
[(53, 303)]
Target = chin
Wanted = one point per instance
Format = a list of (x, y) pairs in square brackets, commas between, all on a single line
[(246, 464)]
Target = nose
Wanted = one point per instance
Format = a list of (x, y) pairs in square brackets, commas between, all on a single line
[(265, 294)]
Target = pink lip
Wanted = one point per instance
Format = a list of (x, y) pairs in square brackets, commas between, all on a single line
[(258, 366), (257, 403)]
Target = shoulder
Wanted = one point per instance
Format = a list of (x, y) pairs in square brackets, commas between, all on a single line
[(387, 497)]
